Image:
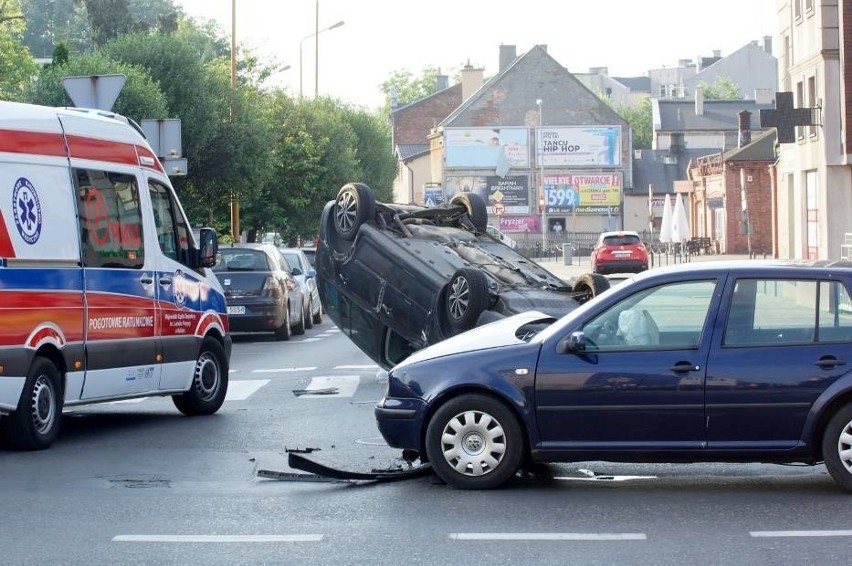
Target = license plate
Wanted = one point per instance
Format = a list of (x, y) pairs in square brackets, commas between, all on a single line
[(237, 310), (621, 254)]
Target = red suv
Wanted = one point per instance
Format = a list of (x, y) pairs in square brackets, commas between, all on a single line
[(619, 252)]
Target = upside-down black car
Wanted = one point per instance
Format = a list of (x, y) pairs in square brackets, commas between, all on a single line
[(396, 278)]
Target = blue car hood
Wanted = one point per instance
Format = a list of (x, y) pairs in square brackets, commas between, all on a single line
[(502, 332)]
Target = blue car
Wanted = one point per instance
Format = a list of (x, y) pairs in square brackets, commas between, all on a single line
[(720, 361)]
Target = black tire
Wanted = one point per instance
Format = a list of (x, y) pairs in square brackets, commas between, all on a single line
[(355, 204), (837, 447), (588, 286), (299, 329), (318, 316), (474, 442), (309, 318), (465, 298), (35, 424), (209, 381), (476, 209), (284, 332)]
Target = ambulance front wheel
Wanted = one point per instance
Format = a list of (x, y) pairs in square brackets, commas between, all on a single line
[(35, 424), (209, 381)]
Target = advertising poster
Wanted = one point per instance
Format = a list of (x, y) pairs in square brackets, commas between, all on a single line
[(577, 146), (512, 192), (520, 224), (433, 196), (465, 184), (499, 149), (598, 193)]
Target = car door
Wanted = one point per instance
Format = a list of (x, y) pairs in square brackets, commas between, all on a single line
[(783, 342), (639, 383), (182, 293), (118, 270)]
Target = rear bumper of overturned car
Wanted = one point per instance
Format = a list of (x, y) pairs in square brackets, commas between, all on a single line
[(399, 421)]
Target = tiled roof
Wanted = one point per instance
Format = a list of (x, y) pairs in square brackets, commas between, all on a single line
[(680, 116), (660, 169), (761, 148), (409, 150), (635, 84)]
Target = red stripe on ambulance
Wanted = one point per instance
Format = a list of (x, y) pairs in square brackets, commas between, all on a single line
[(39, 143)]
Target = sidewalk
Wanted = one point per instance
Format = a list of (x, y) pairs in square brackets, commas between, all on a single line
[(583, 264)]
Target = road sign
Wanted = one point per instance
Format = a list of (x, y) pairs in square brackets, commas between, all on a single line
[(498, 209), (95, 91)]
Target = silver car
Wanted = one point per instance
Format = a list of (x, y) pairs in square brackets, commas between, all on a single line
[(304, 273)]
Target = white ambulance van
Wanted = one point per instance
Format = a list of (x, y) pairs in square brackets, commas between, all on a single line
[(104, 289)]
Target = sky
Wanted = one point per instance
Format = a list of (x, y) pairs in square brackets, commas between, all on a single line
[(380, 37)]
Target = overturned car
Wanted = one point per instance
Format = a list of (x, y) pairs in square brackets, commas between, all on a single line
[(396, 278)]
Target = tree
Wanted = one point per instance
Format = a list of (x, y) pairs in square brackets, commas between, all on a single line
[(140, 98), (375, 160), (16, 65), (640, 118), (408, 88), (722, 88)]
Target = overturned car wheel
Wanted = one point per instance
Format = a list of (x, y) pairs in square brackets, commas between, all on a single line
[(466, 298), (588, 286), (476, 209), (355, 204)]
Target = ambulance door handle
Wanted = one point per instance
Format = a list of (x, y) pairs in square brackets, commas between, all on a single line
[(165, 280), (146, 279)]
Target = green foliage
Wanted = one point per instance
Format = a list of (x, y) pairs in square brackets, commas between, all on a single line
[(723, 88), (140, 98), (16, 65), (640, 118), (409, 88)]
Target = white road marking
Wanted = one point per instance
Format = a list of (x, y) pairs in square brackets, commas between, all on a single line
[(774, 534), (240, 390), (305, 340), (217, 538), (282, 370), (606, 478), (345, 384), (368, 366), (548, 536)]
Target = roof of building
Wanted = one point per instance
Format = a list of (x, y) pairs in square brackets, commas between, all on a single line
[(510, 97), (635, 84), (409, 150), (660, 168), (412, 123), (761, 148), (679, 115)]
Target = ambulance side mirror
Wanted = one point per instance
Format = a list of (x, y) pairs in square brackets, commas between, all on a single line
[(208, 243)]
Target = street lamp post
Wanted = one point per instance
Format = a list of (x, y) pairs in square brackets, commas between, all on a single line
[(316, 63), (542, 196)]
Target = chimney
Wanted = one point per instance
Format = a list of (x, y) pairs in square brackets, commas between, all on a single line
[(442, 82), (767, 44), (717, 53), (472, 79), (699, 103), (508, 54), (744, 122)]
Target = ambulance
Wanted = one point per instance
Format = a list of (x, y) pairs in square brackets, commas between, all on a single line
[(105, 291)]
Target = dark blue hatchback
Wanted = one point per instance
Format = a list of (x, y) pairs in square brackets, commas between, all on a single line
[(719, 361)]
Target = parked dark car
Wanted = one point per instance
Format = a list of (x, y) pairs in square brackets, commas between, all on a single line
[(721, 361), (260, 293), (396, 278)]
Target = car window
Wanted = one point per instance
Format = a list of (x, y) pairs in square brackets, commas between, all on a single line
[(236, 259), (664, 317), (292, 260), (621, 240), (771, 312)]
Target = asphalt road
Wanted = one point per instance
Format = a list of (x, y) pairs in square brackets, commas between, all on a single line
[(137, 483)]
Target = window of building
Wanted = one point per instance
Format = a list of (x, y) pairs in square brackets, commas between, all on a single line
[(812, 98), (110, 219), (809, 6), (797, 9), (800, 103)]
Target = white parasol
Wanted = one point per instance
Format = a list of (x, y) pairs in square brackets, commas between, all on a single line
[(680, 223), (666, 226)]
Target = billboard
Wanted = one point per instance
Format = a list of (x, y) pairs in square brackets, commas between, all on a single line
[(499, 149), (578, 146), (596, 193), (514, 224), (512, 192)]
